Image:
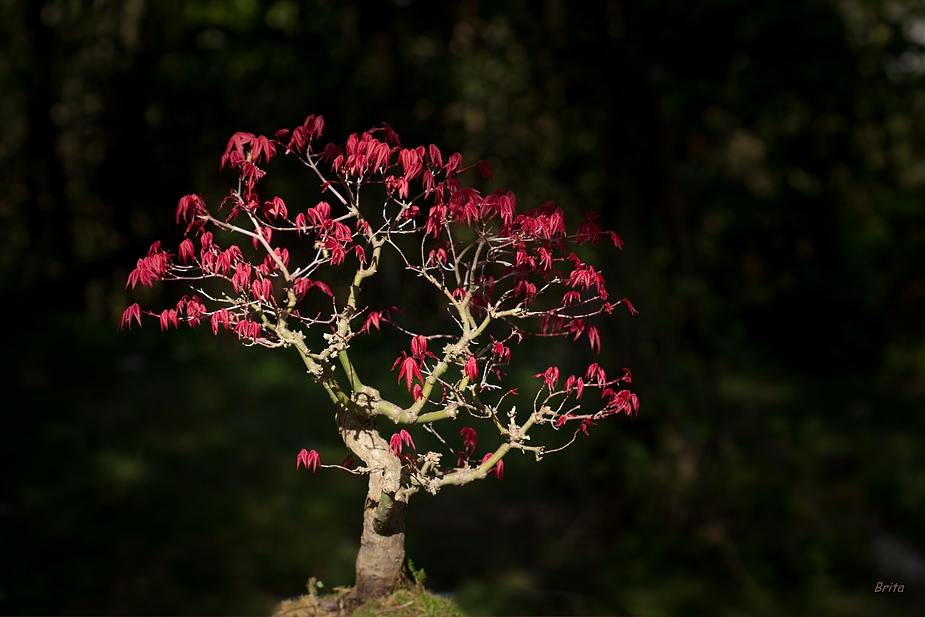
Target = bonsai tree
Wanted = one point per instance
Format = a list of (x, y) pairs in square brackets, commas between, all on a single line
[(258, 267)]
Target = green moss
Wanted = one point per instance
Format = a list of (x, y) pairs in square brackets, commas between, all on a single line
[(415, 602), (411, 599), (409, 602)]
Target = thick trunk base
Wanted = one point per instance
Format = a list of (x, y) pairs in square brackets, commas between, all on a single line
[(382, 553), (379, 567), (382, 544)]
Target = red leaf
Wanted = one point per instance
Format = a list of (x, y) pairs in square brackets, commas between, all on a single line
[(283, 255), (247, 329), (616, 240), (501, 353), (336, 251), (485, 170), (324, 288), (236, 144), (168, 317), (320, 214), (371, 320), (585, 423), (419, 347), (596, 373), (195, 309), (595, 338), (470, 439), (262, 150), (276, 207), (187, 250), (297, 141), (453, 163), (435, 157), (310, 459), (498, 468), (411, 164), (134, 311), (302, 285), (629, 305), (262, 289), (472, 369), (390, 135), (406, 438), (395, 444), (409, 371), (576, 327), (220, 317), (141, 274), (332, 153), (551, 377)]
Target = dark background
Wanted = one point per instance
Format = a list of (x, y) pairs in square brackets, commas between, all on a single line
[(763, 160)]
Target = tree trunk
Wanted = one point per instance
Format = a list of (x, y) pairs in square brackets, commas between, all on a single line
[(382, 550), (382, 544)]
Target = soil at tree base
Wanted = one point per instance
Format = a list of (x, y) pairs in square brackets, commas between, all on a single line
[(410, 601)]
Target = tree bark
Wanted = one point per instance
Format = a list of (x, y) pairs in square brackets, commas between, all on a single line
[(382, 543), (382, 551)]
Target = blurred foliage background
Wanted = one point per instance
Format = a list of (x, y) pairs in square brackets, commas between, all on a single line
[(764, 162)]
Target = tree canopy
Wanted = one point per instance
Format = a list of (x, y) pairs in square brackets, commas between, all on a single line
[(764, 161)]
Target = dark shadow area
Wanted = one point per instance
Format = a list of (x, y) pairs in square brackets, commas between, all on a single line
[(763, 161)]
